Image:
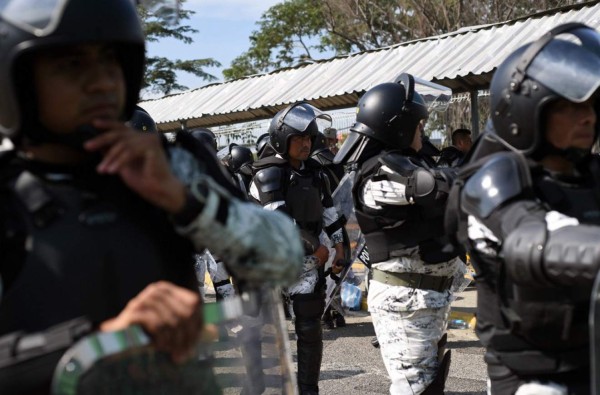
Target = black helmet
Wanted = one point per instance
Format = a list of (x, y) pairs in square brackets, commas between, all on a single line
[(539, 73), (263, 146), (319, 144), (296, 119), (28, 27), (206, 136), (388, 113), (320, 150), (142, 121), (238, 157)]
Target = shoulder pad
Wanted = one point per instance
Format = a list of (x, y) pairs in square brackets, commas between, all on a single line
[(269, 179), (399, 163), (269, 161), (500, 179)]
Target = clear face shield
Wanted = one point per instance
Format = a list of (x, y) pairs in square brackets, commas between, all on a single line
[(437, 97), (41, 17), (244, 346), (300, 116), (575, 57)]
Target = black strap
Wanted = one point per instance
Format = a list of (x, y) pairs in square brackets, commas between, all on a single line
[(37, 199)]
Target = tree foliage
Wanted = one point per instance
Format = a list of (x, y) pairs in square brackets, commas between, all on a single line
[(160, 74), (296, 30), (282, 39)]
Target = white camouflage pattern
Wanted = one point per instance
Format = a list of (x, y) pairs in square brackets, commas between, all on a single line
[(216, 271), (409, 322), (309, 275), (260, 246)]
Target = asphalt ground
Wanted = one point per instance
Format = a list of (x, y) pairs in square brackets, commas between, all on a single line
[(351, 365)]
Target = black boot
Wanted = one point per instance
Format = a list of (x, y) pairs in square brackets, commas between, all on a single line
[(328, 320), (375, 342), (308, 310), (252, 355), (340, 321), (437, 385)]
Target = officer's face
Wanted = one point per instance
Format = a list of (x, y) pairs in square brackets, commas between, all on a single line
[(76, 85), (571, 124), (299, 147), (417, 143), (465, 144)]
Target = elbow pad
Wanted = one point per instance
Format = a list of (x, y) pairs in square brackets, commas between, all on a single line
[(420, 186), (523, 252), (431, 187), (567, 256), (572, 255)]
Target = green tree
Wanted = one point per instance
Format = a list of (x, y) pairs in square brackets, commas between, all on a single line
[(160, 74), (344, 26), (283, 39)]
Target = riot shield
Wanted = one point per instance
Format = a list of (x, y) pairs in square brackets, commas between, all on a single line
[(594, 324), (342, 199), (254, 358), (342, 196)]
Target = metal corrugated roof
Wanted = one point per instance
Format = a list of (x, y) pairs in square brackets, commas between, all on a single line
[(463, 60)]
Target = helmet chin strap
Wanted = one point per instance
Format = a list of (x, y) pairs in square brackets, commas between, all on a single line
[(41, 135), (575, 155)]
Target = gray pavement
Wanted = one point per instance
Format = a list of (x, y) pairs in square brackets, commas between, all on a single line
[(351, 365)]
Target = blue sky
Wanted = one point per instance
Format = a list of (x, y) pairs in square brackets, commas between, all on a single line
[(224, 27)]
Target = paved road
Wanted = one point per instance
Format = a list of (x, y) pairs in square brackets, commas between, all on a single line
[(351, 365)]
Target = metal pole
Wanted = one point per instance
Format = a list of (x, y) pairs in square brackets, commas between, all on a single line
[(595, 336), (474, 114)]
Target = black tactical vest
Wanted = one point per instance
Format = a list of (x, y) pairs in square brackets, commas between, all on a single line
[(301, 190), (81, 245), (540, 330), (394, 228)]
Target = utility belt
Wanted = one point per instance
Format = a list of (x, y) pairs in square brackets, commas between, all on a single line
[(414, 280)]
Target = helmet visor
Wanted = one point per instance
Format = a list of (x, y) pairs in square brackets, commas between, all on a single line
[(569, 67), (41, 17), (223, 153), (437, 97), (350, 151), (302, 115)]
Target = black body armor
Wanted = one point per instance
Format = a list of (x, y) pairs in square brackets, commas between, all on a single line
[(534, 299), (80, 244), (394, 227), (301, 190)]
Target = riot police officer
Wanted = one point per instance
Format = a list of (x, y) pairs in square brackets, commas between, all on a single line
[(207, 136), (453, 155), (96, 222), (238, 161), (399, 203), (323, 154), (292, 183), (263, 146), (142, 121), (529, 214)]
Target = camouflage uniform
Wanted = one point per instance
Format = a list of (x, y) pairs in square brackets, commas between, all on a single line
[(217, 272), (409, 322)]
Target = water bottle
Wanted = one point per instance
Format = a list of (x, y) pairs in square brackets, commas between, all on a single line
[(458, 324)]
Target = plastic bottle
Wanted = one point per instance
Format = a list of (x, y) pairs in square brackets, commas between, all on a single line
[(458, 324)]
